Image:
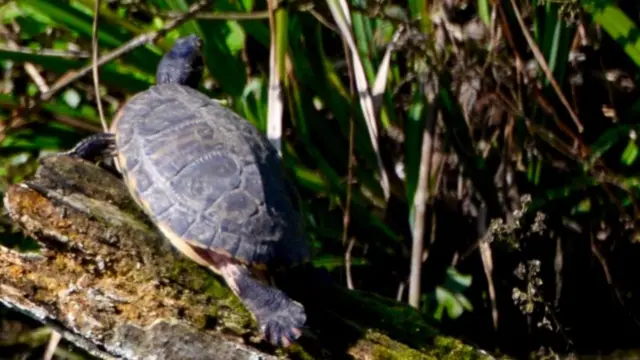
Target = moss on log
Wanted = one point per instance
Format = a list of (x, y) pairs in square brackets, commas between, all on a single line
[(106, 279)]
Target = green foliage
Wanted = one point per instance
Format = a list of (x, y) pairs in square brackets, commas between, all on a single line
[(501, 130), (617, 24), (449, 297)]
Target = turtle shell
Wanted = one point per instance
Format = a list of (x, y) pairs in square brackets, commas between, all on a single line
[(208, 178)]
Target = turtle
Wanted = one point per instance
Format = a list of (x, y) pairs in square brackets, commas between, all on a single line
[(213, 184)]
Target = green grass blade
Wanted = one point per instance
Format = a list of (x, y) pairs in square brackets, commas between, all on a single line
[(484, 11), (413, 141), (617, 24)]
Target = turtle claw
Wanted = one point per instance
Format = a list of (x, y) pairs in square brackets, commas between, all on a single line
[(280, 318), (283, 327)]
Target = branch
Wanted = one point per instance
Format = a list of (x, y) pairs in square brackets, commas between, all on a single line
[(107, 281)]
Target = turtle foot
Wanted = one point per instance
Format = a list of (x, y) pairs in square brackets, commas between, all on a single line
[(284, 325), (94, 147), (280, 318)]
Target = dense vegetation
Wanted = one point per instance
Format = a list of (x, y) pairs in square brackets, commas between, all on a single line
[(505, 152)]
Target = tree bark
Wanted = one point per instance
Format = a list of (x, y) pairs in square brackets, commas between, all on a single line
[(104, 277)]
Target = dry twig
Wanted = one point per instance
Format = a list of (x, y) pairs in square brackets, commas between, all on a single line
[(275, 102), (347, 262), (94, 61), (54, 340), (545, 67), (29, 68), (346, 218), (420, 200)]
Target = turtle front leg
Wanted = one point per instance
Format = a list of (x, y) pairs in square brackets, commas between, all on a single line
[(280, 318), (94, 147)]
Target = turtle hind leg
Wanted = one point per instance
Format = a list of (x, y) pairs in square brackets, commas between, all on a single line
[(94, 147), (280, 318)]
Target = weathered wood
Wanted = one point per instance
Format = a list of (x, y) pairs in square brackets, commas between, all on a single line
[(109, 282)]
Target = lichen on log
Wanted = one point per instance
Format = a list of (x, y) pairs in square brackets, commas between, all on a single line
[(107, 280)]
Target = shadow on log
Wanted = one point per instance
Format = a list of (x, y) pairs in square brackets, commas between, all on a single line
[(106, 279)]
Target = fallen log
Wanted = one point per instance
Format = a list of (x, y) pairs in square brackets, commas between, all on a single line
[(105, 278)]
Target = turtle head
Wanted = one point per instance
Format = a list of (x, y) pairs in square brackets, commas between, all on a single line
[(183, 64)]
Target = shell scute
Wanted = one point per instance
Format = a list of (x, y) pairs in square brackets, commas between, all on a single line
[(203, 231), (237, 206), (252, 184), (142, 180), (179, 219), (158, 203), (198, 185)]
